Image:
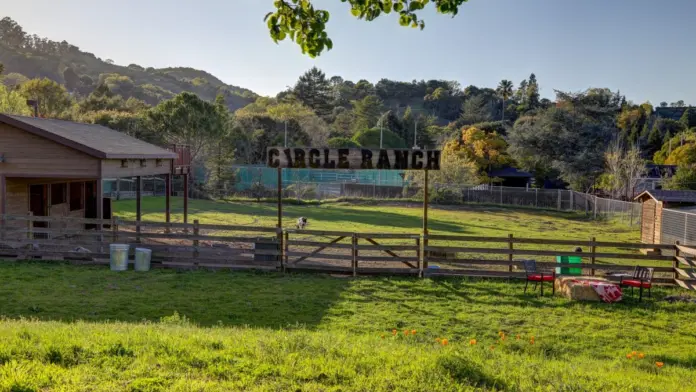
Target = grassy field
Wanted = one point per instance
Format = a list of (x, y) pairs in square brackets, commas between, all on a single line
[(398, 218), (75, 328), (70, 328)]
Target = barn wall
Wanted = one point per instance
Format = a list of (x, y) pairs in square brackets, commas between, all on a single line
[(113, 168), (30, 155)]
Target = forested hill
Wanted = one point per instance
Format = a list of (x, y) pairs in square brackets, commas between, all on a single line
[(26, 56)]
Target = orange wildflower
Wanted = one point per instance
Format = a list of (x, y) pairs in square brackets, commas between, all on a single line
[(641, 355), (445, 342), (634, 353), (437, 340), (659, 364), (629, 356), (413, 332), (393, 332), (472, 342), (406, 332), (517, 337)]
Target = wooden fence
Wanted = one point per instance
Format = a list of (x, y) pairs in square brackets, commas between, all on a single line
[(197, 245)]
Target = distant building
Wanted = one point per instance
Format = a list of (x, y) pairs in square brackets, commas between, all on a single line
[(511, 176), (654, 177)]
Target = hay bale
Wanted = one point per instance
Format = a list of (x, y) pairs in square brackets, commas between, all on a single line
[(577, 288)]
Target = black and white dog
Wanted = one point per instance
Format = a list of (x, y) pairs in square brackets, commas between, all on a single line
[(301, 222)]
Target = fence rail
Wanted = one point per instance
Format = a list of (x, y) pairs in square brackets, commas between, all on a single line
[(197, 245)]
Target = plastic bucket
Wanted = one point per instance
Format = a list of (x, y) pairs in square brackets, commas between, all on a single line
[(142, 259), (119, 257), (566, 270)]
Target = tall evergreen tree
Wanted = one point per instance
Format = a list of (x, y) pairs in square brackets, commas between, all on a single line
[(532, 92), (313, 89), (688, 118)]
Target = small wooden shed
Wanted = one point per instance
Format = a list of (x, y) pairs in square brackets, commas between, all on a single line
[(56, 168), (653, 204)]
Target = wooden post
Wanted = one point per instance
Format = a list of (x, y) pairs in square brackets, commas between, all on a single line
[(196, 232), (186, 197), (284, 250), (30, 226), (138, 206), (425, 219), (168, 201), (510, 255), (675, 262), (100, 201), (3, 204), (418, 255), (536, 197), (114, 230), (593, 250), (280, 199), (355, 255)]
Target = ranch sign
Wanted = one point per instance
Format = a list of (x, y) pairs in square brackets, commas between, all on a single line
[(352, 158)]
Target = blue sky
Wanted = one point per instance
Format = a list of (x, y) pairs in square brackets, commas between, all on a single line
[(642, 47)]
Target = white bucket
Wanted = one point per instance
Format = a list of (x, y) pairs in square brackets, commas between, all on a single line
[(142, 259), (119, 257)]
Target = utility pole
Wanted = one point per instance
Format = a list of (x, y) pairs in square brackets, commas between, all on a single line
[(415, 134)]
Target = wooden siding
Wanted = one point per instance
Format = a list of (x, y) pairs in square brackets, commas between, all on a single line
[(657, 237), (647, 229), (112, 168), (30, 155)]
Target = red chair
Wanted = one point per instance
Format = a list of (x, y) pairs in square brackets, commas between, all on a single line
[(536, 276), (641, 278)]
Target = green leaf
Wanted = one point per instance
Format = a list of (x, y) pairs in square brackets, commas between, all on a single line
[(329, 43), (355, 12), (387, 8), (281, 35), (404, 20), (265, 18), (398, 7)]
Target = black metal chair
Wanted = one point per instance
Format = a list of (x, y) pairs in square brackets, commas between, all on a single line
[(641, 278), (537, 276)]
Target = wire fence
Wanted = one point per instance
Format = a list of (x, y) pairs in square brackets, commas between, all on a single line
[(678, 226), (449, 194)]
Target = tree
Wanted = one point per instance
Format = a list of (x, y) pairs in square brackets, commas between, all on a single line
[(305, 25), (566, 140), (624, 169), (11, 33), (504, 90), (475, 110), (342, 142), (532, 93), (683, 179), (72, 80), (663, 104), (455, 169), (53, 99), (679, 104), (486, 150), (367, 112), (187, 119), (2, 68), (314, 91), (688, 118), (370, 138), (12, 102)]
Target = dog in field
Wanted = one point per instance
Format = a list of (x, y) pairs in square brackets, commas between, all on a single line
[(301, 223)]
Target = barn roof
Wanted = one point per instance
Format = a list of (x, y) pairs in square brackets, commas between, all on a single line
[(92, 139), (669, 196)]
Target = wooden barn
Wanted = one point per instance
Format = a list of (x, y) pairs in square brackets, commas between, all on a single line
[(653, 204), (55, 168)]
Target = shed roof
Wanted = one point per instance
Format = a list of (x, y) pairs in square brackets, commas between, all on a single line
[(669, 196), (92, 139)]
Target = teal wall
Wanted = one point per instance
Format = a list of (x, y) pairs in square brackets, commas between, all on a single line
[(248, 174)]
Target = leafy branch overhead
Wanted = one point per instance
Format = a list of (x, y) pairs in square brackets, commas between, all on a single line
[(305, 25)]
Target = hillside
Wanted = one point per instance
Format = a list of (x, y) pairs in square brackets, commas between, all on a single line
[(30, 56)]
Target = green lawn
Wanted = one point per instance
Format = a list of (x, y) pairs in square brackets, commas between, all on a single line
[(399, 218), (75, 328), (69, 328)]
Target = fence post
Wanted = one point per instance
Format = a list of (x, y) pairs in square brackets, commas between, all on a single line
[(510, 255), (114, 230), (30, 226), (675, 262), (559, 200), (418, 253), (572, 204), (501, 194), (195, 241), (595, 207), (587, 205), (536, 197), (422, 252), (593, 250), (355, 254), (284, 249)]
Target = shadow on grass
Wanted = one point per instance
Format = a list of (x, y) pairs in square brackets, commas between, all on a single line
[(68, 293)]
